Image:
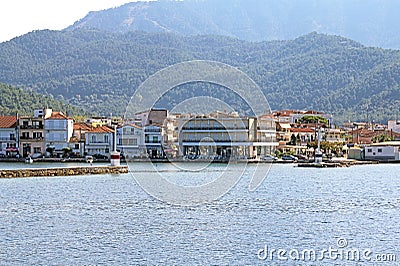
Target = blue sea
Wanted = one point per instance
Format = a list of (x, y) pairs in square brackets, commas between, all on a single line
[(111, 220)]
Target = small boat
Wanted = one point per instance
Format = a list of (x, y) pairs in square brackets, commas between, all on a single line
[(28, 160)]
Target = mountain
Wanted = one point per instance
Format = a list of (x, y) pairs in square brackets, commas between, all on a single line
[(14, 100), (370, 22), (100, 71)]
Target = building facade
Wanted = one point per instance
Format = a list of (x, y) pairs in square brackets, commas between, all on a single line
[(32, 133), (382, 151), (225, 136), (99, 141), (130, 141), (58, 131), (153, 140), (9, 143)]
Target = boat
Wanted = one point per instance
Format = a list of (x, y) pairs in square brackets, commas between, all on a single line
[(28, 160)]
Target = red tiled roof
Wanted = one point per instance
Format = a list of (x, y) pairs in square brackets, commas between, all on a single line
[(304, 130), (58, 115), (101, 129), (8, 121), (82, 126)]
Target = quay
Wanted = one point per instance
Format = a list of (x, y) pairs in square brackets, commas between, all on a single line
[(343, 163), (63, 171)]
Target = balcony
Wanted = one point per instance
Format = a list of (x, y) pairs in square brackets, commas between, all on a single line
[(7, 139), (152, 141), (23, 138), (31, 127), (210, 128), (98, 143)]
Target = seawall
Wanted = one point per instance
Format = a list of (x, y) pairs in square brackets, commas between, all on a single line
[(63, 171)]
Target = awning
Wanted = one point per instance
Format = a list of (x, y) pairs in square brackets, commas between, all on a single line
[(285, 125), (12, 149)]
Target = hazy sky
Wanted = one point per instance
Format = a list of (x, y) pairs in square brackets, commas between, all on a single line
[(18, 17)]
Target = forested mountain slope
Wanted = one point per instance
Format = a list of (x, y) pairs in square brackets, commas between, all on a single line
[(100, 70)]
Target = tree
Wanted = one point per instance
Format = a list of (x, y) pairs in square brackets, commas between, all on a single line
[(312, 119)]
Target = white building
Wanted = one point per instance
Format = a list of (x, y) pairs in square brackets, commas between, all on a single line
[(99, 140), (226, 136), (8, 135), (394, 125), (153, 137), (383, 151), (58, 131), (130, 141)]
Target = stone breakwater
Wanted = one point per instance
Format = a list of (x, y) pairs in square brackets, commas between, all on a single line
[(63, 171)]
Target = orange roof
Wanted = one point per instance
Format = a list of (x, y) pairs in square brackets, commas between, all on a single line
[(305, 130), (101, 129), (58, 115), (8, 121), (82, 126)]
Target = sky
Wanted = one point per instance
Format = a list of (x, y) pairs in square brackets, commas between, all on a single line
[(18, 17)]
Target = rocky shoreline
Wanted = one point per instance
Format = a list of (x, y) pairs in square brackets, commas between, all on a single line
[(63, 171)]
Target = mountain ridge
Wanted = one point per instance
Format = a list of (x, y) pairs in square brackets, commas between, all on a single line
[(372, 23)]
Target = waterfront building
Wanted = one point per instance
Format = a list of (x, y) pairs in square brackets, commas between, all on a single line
[(9, 144), (382, 151), (153, 140), (99, 141), (58, 131), (32, 132), (226, 135), (130, 141)]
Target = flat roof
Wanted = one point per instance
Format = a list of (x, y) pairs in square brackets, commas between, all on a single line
[(386, 143)]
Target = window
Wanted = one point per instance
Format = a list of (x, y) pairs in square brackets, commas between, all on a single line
[(155, 139), (37, 135), (37, 150), (12, 136), (25, 135), (369, 150), (93, 138), (379, 150), (76, 146)]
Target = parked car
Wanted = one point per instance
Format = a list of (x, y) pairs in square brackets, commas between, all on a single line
[(99, 156), (268, 157), (289, 158)]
